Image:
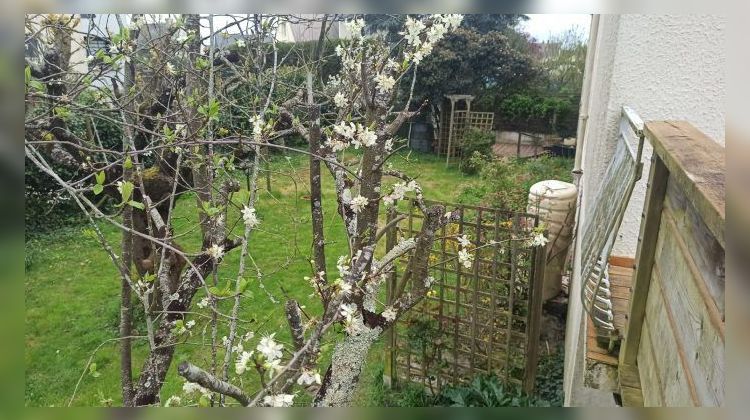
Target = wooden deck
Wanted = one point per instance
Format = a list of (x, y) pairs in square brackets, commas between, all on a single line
[(620, 276)]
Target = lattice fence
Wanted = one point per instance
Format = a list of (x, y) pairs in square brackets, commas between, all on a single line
[(482, 319), (452, 135)]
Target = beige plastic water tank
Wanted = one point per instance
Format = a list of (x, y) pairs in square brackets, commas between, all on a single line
[(555, 203)]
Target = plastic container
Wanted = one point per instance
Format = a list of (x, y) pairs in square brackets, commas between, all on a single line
[(555, 203)]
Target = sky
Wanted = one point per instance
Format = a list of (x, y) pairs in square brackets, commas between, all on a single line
[(542, 27)]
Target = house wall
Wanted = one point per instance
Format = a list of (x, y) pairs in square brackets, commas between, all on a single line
[(665, 67)]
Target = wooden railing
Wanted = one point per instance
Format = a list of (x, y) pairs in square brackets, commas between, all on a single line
[(673, 350)]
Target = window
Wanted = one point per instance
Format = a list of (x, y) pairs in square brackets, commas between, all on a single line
[(95, 43)]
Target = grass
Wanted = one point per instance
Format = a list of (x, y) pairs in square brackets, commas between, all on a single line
[(72, 289)]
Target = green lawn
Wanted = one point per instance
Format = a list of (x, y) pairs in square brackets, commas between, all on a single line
[(72, 289)]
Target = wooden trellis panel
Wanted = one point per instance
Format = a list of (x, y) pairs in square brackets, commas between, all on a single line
[(451, 138), (477, 320)]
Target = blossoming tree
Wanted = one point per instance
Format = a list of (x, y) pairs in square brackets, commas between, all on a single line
[(168, 92)]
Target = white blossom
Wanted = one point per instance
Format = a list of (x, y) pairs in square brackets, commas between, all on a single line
[(464, 241), (170, 68), (389, 314), (280, 400), (215, 251), (272, 366), (384, 82), (190, 324), (240, 43), (113, 49), (465, 258), (358, 203), (355, 27), (309, 377), (203, 303), (413, 28), (119, 186), (538, 240), (348, 310), (337, 145), (453, 20), (345, 287), (248, 215), (90, 58), (367, 137), (345, 130), (340, 100), (339, 50), (241, 365), (269, 348)]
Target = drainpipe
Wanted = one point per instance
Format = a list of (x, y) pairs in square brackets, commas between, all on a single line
[(583, 110)]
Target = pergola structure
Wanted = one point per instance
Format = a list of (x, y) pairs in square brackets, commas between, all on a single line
[(458, 121)]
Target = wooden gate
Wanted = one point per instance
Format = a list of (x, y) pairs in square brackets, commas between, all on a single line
[(477, 320)]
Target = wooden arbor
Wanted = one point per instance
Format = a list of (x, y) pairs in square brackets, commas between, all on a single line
[(455, 121)]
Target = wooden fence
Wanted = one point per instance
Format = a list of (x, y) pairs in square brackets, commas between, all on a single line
[(673, 350), (483, 319)]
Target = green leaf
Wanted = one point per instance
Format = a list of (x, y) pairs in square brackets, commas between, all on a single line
[(219, 292), (100, 177), (92, 370), (98, 188), (137, 204), (210, 110), (127, 191), (128, 163), (242, 285), (204, 401), (37, 85), (27, 74), (62, 112)]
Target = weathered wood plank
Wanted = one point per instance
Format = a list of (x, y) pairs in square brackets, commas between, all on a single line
[(653, 391), (631, 397), (694, 325), (649, 232), (673, 378), (705, 251), (697, 163)]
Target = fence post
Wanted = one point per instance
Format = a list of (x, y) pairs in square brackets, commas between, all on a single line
[(533, 327), (389, 373), (644, 259)]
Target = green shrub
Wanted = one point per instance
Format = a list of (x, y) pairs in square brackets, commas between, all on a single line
[(549, 378), (487, 391), (506, 182), (476, 148), (48, 206)]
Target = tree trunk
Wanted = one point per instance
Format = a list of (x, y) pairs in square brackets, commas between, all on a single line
[(342, 377), (126, 314), (158, 361)]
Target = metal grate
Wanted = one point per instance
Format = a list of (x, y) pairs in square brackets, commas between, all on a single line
[(600, 230)]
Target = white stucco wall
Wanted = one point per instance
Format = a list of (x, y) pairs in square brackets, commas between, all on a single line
[(664, 67)]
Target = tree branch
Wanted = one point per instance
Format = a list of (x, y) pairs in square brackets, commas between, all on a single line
[(199, 376)]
